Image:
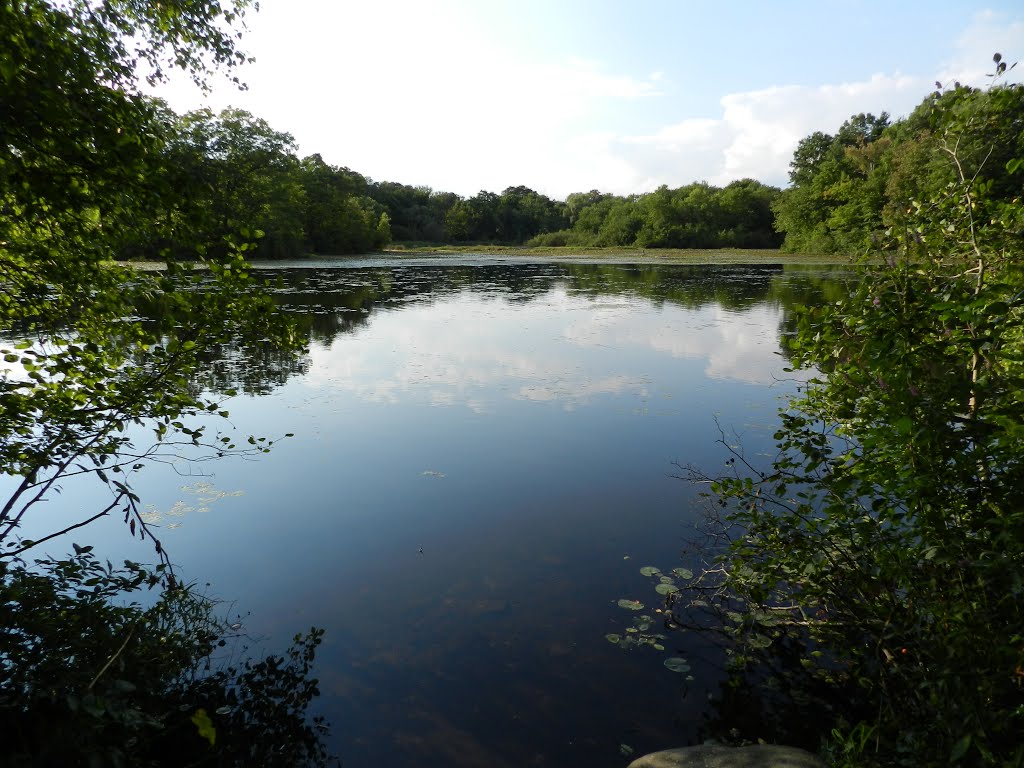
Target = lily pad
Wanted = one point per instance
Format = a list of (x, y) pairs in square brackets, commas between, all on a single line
[(632, 605), (613, 638), (658, 646), (650, 570), (667, 580), (683, 573), (677, 664), (664, 589)]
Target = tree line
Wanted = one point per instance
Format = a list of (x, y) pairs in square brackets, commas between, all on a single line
[(846, 190), (242, 175), (697, 215)]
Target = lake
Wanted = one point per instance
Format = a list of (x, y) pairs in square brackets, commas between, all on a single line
[(484, 456)]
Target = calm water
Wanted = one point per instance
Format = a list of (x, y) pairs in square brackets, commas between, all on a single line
[(483, 460)]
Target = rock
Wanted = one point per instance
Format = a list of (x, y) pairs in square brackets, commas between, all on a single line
[(714, 756)]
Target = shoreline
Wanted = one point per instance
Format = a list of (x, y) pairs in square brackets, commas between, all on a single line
[(497, 254), (617, 255)]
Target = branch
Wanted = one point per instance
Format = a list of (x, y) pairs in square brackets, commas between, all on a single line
[(70, 528), (112, 658)]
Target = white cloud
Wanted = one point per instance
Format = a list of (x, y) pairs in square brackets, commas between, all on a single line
[(454, 109), (757, 131), (734, 345), (467, 351), (464, 108), (989, 33), (438, 356)]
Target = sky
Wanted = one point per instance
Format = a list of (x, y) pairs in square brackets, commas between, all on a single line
[(570, 95)]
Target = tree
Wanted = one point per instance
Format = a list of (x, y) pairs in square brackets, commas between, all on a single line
[(747, 220), (88, 679), (414, 213), (521, 213), (621, 224), (339, 216), (885, 544), (457, 222), (847, 189), (93, 355), (242, 174), (483, 213), (591, 218), (835, 203), (578, 201), (809, 154)]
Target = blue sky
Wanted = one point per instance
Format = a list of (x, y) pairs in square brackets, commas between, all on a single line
[(572, 95)]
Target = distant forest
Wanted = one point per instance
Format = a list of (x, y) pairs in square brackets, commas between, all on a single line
[(845, 191)]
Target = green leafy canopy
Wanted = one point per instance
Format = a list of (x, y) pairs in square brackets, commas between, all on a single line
[(101, 373), (883, 550)]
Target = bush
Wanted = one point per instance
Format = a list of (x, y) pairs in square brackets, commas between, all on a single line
[(88, 678), (561, 238), (886, 541)]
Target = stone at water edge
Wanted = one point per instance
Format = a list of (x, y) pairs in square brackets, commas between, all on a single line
[(715, 756)]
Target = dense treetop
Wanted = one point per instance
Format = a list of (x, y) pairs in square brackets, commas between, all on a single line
[(100, 375), (847, 189)]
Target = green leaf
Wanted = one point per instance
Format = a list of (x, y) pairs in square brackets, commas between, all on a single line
[(632, 605), (960, 749), (205, 726), (676, 664)]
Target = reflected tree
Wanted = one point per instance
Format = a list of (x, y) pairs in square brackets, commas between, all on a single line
[(93, 386)]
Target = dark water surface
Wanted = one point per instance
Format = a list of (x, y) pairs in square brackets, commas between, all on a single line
[(482, 462)]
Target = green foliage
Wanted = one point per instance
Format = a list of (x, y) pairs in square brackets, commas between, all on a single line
[(834, 204), (419, 213), (102, 373), (887, 539), (92, 351), (849, 188), (88, 678), (241, 174), (339, 216), (695, 216)]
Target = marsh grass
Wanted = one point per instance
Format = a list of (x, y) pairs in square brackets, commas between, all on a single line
[(620, 255)]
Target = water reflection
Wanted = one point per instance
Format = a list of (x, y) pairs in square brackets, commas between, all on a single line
[(469, 350), (518, 425), (461, 347), (482, 464)]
